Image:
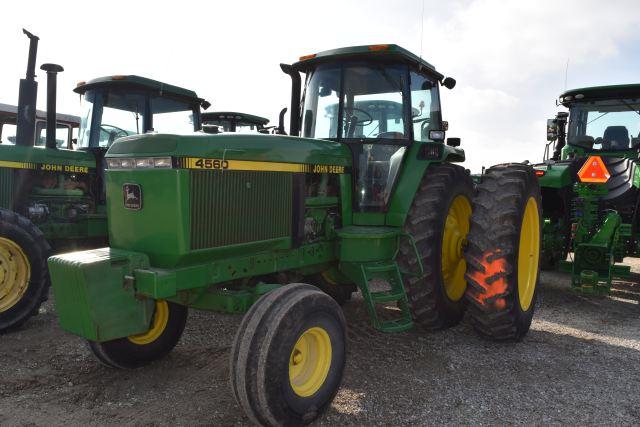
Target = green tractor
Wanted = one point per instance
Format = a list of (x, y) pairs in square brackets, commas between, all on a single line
[(590, 185), (66, 127), (230, 121), (52, 197), (258, 224)]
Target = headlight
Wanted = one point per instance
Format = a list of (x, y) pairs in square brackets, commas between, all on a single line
[(162, 162), (144, 162), (139, 163)]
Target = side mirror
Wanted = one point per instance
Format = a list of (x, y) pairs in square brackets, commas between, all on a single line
[(445, 125), (552, 130), (449, 83), (436, 135), (453, 142)]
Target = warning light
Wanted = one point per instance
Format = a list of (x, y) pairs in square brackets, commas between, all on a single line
[(540, 172), (594, 171)]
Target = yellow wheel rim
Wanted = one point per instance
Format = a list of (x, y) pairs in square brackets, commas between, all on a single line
[(160, 320), (15, 273), (310, 361), (528, 254), (454, 239)]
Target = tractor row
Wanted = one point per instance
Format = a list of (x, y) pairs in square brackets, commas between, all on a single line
[(363, 192)]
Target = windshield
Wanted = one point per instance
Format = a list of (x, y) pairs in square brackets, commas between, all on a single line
[(228, 125), (371, 103), (108, 115), (373, 108), (606, 125)]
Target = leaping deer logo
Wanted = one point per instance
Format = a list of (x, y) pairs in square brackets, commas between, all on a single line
[(129, 194)]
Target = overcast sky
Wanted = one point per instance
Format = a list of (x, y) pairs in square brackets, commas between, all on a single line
[(509, 57)]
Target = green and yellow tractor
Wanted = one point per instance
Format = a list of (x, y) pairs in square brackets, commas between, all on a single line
[(364, 193), (590, 185), (52, 196)]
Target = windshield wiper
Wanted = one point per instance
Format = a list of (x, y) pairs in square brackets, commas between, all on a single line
[(601, 115)]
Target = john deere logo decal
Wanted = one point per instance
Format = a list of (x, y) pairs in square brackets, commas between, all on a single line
[(132, 194)]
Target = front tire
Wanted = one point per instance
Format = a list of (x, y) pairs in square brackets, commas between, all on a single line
[(168, 323), (24, 278), (288, 356), (439, 222), (503, 255)]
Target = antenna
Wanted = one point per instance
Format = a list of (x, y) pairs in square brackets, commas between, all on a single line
[(566, 75), (421, 28)]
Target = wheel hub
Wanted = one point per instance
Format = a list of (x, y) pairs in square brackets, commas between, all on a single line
[(15, 273), (160, 320), (454, 240), (310, 361)]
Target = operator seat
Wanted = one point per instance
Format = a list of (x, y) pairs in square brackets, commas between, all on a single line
[(615, 138)]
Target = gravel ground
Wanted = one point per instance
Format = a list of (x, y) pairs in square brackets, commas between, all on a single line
[(576, 366)]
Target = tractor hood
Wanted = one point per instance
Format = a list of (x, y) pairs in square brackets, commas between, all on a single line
[(264, 148)]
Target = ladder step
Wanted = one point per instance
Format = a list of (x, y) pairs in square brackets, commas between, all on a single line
[(386, 296), (382, 268), (398, 325)]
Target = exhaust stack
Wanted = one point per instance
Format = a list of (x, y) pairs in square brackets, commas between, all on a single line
[(26, 120), (52, 77)]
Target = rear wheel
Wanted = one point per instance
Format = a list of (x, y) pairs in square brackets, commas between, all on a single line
[(439, 222), (24, 278), (167, 325), (288, 356), (503, 255)]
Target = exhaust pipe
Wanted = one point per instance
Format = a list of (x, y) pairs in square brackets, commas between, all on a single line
[(27, 97), (294, 116), (52, 77)]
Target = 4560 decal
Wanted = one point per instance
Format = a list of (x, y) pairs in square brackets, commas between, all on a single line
[(211, 164), (251, 165)]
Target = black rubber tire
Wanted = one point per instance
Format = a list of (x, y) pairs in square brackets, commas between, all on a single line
[(341, 293), (259, 361), (124, 354), (32, 242), (430, 306), (492, 252)]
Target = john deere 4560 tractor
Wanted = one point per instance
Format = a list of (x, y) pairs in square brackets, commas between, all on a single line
[(363, 190), (52, 197), (590, 185)]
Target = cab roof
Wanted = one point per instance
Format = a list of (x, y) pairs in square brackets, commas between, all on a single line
[(390, 52), (140, 83), (600, 92), (232, 115)]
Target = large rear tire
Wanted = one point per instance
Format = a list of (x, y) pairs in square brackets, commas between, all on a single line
[(439, 222), (503, 254), (24, 278), (288, 356), (167, 325)]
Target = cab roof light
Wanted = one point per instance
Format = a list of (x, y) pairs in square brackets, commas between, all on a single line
[(81, 83), (118, 77), (307, 57), (378, 47)]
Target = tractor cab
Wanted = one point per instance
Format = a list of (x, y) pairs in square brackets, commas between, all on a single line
[(383, 102), (230, 121), (118, 106)]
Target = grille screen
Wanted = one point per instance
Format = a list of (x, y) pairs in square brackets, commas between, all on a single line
[(6, 188), (233, 207)]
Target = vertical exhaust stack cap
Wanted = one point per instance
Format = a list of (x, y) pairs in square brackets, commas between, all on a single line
[(52, 68)]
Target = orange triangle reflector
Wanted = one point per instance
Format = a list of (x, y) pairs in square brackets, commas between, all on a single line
[(594, 171)]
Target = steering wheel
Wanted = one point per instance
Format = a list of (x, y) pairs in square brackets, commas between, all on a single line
[(367, 121)]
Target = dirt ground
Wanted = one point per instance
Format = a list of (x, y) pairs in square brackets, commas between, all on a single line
[(578, 365)]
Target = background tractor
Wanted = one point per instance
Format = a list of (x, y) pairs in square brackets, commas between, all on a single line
[(66, 127), (230, 121), (590, 185), (52, 196), (362, 194)]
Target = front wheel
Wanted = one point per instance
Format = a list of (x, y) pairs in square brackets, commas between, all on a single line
[(167, 325), (503, 252), (288, 356), (24, 278)]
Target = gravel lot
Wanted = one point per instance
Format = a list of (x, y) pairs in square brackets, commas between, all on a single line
[(578, 365)]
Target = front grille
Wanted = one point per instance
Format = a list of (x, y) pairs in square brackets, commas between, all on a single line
[(6, 188), (233, 207)]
